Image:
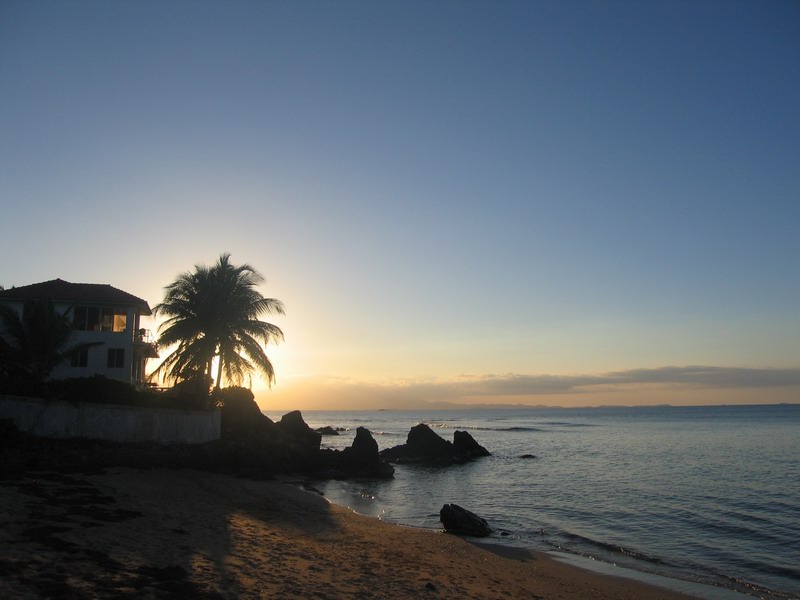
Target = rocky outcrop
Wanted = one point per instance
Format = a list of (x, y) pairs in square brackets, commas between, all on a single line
[(254, 445), (424, 446), (463, 522), (241, 417), (464, 443), (294, 429), (364, 447), (251, 445), (360, 460), (327, 430)]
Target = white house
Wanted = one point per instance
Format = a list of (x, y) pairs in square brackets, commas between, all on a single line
[(98, 313)]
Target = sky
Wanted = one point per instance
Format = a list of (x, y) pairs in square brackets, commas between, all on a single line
[(560, 203)]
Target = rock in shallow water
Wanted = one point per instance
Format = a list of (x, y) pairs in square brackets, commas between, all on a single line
[(360, 460), (461, 521), (295, 428), (424, 446), (327, 430), (464, 443)]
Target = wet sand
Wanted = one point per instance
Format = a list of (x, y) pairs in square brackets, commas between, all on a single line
[(189, 534)]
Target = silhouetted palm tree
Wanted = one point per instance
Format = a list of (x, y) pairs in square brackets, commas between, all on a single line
[(35, 343), (214, 312)]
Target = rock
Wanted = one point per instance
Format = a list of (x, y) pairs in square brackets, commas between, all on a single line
[(327, 430), (464, 443), (528, 456), (425, 442), (241, 417), (364, 446), (360, 460), (293, 427), (424, 446), (463, 522)]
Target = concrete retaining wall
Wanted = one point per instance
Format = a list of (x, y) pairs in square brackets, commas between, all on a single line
[(59, 419)]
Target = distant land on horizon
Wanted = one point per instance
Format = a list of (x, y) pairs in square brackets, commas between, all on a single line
[(440, 406)]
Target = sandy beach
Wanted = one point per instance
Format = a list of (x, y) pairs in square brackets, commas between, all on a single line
[(181, 533)]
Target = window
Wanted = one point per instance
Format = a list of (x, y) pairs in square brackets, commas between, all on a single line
[(79, 358), (86, 318), (120, 321), (93, 318), (116, 358)]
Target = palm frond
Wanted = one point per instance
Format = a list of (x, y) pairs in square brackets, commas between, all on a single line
[(214, 312)]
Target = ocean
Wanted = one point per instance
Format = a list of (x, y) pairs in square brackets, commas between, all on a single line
[(709, 495)]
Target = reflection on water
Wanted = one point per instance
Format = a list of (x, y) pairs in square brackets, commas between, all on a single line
[(707, 493)]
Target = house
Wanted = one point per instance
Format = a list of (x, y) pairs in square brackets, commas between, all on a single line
[(99, 313)]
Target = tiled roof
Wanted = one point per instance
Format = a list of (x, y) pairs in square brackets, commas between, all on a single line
[(59, 290)]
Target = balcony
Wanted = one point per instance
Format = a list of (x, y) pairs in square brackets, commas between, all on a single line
[(145, 343)]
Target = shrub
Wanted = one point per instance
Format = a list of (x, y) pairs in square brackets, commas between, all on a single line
[(100, 390)]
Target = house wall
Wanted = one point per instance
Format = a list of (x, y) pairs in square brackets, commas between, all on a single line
[(60, 419), (97, 360)]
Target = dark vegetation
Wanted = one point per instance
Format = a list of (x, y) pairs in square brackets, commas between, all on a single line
[(32, 345), (215, 312), (251, 445), (191, 394), (211, 313)]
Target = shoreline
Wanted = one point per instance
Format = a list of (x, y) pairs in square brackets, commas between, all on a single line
[(167, 533), (692, 589)]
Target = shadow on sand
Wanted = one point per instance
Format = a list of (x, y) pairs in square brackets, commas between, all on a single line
[(156, 533)]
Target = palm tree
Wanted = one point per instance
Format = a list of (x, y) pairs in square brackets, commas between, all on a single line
[(35, 343), (213, 312)]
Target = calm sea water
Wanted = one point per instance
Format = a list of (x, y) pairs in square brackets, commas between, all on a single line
[(705, 494)]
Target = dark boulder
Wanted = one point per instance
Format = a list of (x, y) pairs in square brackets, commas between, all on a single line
[(424, 446), (327, 430), (422, 440), (364, 446), (240, 415), (363, 455), (360, 460), (464, 443), (294, 429), (527, 456), (463, 522)]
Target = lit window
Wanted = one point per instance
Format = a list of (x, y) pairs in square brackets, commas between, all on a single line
[(120, 320), (93, 318)]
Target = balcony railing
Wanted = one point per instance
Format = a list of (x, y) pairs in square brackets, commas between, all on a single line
[(146, 344), (144, 336)]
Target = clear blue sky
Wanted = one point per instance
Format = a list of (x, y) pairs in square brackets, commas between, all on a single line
[(449, 197)]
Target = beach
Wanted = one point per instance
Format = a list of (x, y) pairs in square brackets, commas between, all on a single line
[(182, 533)]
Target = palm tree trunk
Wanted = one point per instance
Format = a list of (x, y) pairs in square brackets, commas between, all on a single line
[(219, 372)]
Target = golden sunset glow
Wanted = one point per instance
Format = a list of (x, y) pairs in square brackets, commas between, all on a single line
[(425, 211)]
